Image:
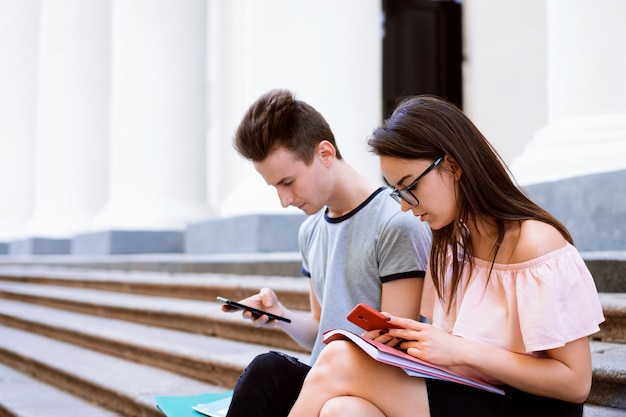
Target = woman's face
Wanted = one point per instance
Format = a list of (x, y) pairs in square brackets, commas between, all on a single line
[(436, 191)]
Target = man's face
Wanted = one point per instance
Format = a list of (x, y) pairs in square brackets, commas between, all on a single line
[(298, 185)]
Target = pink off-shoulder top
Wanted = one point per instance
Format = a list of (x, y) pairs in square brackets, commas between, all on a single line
[(526, 307)]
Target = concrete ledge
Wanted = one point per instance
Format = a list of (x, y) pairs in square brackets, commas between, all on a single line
[(277, 263), (40, 246), (244, 234), (608, 270), (120, 242), (592, 207)]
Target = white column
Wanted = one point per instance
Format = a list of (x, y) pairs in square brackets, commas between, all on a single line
[(72, 129), (226, 59), (504, 70), (330, 54), (157, 172), (19, 28), (586, 133)]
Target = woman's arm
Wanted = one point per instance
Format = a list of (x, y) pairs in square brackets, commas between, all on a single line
[(563, 373)]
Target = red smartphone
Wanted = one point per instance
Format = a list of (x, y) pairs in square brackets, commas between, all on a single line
[(367, 318)]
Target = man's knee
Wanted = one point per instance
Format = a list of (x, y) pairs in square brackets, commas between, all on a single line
[(272, 370), (272, 363), (261, 364)]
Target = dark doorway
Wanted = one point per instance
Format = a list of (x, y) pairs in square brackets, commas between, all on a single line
[(422, 50)]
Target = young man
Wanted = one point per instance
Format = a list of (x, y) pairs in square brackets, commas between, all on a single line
[(356, 246)]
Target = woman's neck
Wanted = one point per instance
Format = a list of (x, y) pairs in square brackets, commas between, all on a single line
[(484, 240)]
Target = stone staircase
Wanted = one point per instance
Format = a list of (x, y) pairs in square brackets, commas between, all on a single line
[(103, 337)]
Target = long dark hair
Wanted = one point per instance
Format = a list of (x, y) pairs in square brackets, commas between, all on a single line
[(427, 127)]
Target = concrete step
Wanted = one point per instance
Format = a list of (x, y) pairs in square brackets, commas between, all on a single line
[(78, 296), (607, 268), (120, 385), (592, 410), (142, 316), (200, 317), (609, 375), (216, 360), (24, 396), (293, 291), (213, 360), (273, 263), (614, 327)]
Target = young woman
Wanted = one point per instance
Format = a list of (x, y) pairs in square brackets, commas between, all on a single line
[(511, 303)]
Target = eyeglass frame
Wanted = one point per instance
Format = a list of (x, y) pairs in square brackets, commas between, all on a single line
[(399, 195)]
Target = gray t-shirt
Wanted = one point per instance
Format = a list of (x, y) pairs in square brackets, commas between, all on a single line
[(348, 258)]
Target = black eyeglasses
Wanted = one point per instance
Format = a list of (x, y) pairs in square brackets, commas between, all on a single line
[(406, 193)]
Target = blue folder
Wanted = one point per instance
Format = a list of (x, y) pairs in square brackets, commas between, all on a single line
[(180, 405)]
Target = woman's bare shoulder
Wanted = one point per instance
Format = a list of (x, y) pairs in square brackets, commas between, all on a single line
[(536, 239)]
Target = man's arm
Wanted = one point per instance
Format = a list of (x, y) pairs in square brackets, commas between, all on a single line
[(303, 329)]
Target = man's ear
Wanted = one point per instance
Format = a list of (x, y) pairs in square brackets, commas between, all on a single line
[(326, 152)]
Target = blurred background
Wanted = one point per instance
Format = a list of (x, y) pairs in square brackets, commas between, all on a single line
[(117, 117)]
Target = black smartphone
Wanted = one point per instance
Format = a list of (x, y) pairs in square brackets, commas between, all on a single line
[(255, 311)]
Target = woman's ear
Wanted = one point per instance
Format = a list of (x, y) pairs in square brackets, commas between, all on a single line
[(453, 167)]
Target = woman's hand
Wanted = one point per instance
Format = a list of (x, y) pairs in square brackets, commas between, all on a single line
[(382, 336), (427, 342)]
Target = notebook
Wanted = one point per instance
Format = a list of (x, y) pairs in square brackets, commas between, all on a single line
[(217, 408)]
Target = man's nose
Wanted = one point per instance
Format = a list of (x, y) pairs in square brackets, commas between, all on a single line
[(285, 198)]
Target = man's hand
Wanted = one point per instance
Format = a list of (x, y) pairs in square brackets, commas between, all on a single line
[(265, 300)]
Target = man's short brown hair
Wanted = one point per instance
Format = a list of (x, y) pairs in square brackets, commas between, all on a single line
[(277, 119)]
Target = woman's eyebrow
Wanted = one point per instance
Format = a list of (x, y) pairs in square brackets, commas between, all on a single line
[(401, 181)]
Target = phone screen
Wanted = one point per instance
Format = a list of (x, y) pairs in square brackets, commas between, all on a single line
[(255, 311)]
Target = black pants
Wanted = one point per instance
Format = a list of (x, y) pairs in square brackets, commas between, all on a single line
[(447, 399), (268, 387)]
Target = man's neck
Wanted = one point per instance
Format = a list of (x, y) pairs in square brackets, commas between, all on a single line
[(350, 190)]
